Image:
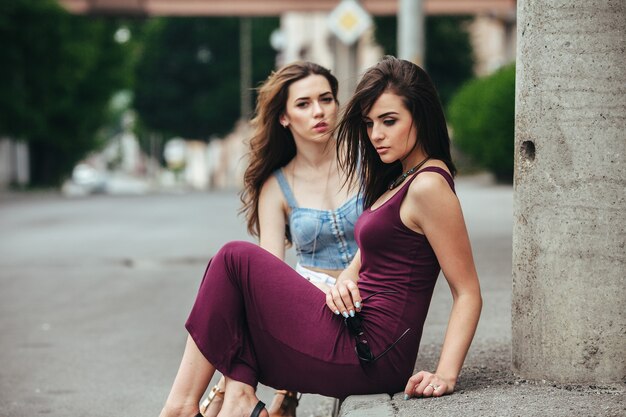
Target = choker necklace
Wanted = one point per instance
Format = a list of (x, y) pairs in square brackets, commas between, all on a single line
[(402, 177)]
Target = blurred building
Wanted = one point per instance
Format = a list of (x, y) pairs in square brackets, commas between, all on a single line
[(493, 39), (492, 34), (304, 27), (305, 34)]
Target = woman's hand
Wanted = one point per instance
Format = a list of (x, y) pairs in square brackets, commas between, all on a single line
[(344, 298), (426, 384)]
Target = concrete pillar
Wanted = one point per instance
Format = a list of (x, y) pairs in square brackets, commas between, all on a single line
[(569, 254)]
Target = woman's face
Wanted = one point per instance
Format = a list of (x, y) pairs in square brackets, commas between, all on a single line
[(311, 109), (391, 129)]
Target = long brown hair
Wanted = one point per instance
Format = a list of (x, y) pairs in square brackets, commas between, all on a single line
[(359, 158), (272, 146)]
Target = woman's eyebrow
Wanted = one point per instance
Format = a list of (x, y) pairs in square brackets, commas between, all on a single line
[(308, 98), (387, 114), (382, 116)]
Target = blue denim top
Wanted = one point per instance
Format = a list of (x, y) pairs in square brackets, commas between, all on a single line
[(322, 238)]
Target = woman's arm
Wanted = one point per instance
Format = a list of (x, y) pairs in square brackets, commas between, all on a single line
[(272, 218), (435, 210)]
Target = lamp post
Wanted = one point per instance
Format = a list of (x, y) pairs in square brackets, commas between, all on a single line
[(245, 66), (411, 31)]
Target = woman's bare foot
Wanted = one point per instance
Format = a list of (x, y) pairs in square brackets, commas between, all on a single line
[(239, 400), (179, 410)]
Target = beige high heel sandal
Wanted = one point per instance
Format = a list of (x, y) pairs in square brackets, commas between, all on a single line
[(215, 392), (289, 404)]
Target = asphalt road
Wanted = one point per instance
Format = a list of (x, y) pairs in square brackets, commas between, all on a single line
[(94, 292)]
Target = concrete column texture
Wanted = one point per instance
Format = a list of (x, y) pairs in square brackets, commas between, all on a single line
[(569, 299)]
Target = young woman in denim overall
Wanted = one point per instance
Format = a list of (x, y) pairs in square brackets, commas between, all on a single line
[(294, 191), (254, 322)]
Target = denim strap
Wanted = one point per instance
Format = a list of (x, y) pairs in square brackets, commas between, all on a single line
[(284, 186)]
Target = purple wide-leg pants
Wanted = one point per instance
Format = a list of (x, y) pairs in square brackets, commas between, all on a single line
[(257, 320)]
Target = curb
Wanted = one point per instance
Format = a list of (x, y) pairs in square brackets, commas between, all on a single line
[(375, 405)]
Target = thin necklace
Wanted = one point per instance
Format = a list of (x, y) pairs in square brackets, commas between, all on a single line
[(402, 177)]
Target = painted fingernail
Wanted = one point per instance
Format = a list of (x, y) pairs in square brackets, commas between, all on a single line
[(351, 313), (344, 314), (406, 396), (357, 304), (337, 312)]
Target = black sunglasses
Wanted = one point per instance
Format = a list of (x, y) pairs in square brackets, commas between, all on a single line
[(362, 348)]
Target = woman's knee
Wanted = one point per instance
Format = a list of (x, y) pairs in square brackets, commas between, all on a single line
[(236, 251), (237, 248)]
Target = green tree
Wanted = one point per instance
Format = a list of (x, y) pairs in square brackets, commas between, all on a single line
[(448, 59), (188, 75), (58, 72), (482, 116)]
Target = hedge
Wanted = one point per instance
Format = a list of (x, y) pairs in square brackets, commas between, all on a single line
[(482, 117)]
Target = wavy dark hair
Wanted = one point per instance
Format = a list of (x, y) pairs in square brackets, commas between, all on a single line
[(272, 146), (359, 157)]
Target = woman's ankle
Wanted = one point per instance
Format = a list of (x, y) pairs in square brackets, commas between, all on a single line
[(239, 398)]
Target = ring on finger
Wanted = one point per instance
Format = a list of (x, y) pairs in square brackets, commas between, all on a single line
[(434, 387)]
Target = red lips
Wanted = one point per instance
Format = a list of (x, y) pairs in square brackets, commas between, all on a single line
[(321, 127)]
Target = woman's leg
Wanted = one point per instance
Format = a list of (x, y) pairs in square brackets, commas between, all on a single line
[(239, 400), (194, 374)]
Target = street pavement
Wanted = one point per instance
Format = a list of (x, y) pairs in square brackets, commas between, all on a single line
[(94, 292)]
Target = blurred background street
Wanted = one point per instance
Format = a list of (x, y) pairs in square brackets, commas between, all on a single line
[(123, 139), (124, 127), (94, 296), (122, 151)]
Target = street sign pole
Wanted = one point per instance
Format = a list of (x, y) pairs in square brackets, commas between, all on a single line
[(245, 63), (411, 28), (348, 21), (346, 69)]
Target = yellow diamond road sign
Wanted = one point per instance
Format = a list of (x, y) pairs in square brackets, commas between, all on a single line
[(348, 21)]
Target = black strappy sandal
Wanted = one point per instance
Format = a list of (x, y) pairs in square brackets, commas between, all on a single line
[(257, 410), (255, 413)]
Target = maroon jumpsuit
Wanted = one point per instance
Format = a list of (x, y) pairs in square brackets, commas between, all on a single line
[(256, 320)]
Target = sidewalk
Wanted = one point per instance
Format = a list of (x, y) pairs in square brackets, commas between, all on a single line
[(490, 389), (487, 386)]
